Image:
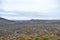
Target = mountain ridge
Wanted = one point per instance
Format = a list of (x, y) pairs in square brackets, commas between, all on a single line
[(29, 21)]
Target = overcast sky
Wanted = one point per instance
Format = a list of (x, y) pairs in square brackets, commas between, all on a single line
[(30, 9)]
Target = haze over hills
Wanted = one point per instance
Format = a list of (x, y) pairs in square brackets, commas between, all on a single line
[(10, 24), (30, 21)]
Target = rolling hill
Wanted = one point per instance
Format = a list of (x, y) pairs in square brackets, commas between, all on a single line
[(22, 26)]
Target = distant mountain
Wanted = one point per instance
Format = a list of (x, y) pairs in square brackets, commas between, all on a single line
[(2, 18), (32, 21), (45, 21), (37, 21), (5, 20)]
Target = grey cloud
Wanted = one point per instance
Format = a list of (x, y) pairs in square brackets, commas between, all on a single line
[(0, 1), (27, 14), (17, 13)]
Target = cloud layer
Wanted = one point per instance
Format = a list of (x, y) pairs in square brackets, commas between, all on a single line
[(30, 9)]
